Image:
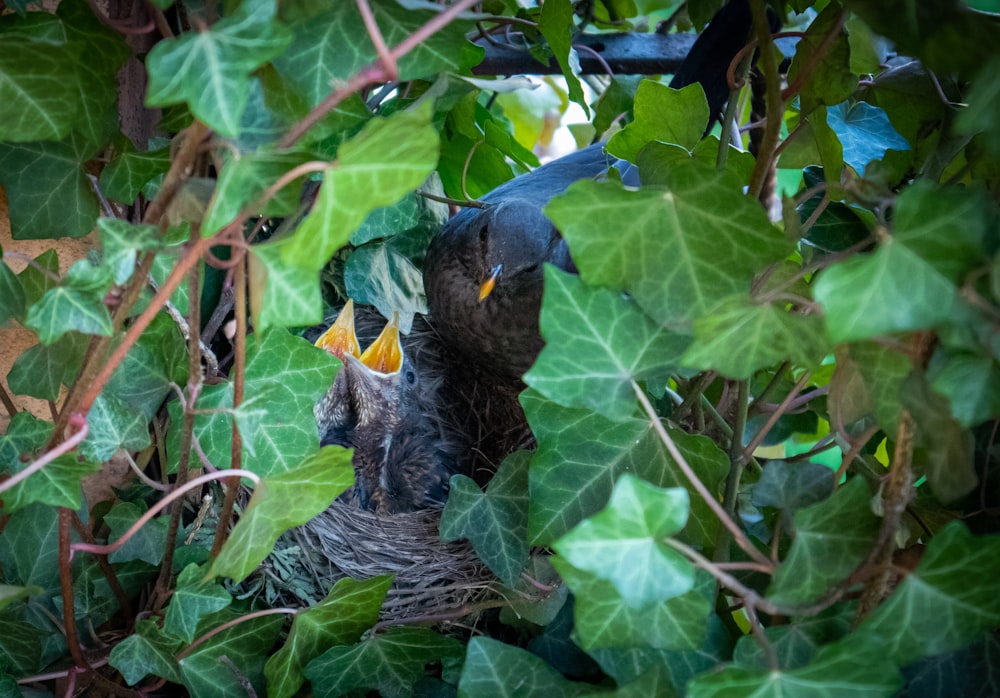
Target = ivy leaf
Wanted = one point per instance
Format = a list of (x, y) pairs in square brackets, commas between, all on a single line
[(332, 44), (77, 303), (57, 484), (281, 502), (857, 669), (12, 303), (790, 486), (20, 648), (113, 425), (351, 607), (131, 170), (147, 544), (493, 668), (971, 383), (830, 79), (242, 180), (796, 644), (26, 435), (879, 372), (149, 650), (282, 294), (622, 544), (389, 663), (739, 336), (228, 661), (582, 454), (390, 157), (966, 672), (662, 114), (379, 274), (29, 548), (596, 344), (864, 132), (831, 539), (892, 289), (49, 195), (495, 522), (555, 22), (209, 70), (677, 256), (10, 593), (603, 618), (156, 362), (193, 599), (120, 241), (42, 370)]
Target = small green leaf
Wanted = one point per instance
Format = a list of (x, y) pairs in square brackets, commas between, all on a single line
[(148, 651), (389, 663), (945, 603), (20, 647), (739, 336), (790, 486), (26, 434), (57, 484), (120, 241), (493, 668), (678, 255), (209, 70), (378, 274), (282, 294), (76, 304), (29, 548), (846, 668), (351, 607), (890, 290), (623, 543), (797, 643), (831, 539), (662, 114), (596, 344), (148, 542), (864, 132), (113, 425), (42, 370), (12, 303), (231, 659), (556, 24), (582, 454), (496, 523), (604, 619), (828, 64), (131, 170), (279, 503), (9, 594), (193, 599), (971, 383)]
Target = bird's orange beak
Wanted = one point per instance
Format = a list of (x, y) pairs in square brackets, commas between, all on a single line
[(385, 355), (487, 287), (340, 339)]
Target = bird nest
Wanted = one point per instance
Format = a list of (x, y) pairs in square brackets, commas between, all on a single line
[(431, 578)]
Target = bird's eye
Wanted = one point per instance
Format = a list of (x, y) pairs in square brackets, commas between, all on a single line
[(411, 377), (484, 233), (532, 269)]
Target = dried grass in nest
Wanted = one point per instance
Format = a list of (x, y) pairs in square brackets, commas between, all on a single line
[(431, 578)]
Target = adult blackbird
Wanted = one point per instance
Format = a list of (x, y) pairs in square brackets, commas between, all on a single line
[(483, 274), (379, 406)]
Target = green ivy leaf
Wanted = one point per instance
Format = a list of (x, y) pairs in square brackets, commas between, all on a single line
[(147, 544), (241, 182), (20, 648), (192, 600), (623, 545), (29, 548), (281, 502), (739, 336), (26, 434), (555, 22), (57, 484), (154, 364), (662, 114), (282, 294), (120, 241), (830, 79), (582, 454), (149, 650), (49, 195), (493, 668), (351, 607), (495, 522), (389, 662), (226, 663), (113, 425), (971, 383), (864, 132), (790, 486), (856, 669), (42, 370), (390, 157), (9, 594), (603, 618), (379, 274), (678, 256), (12, 303), (890, 290), (796, 644), (596, 344), (332, 44), (831, 539), (77, 303), (209, 70), (969, 671), (131, 170), (877, 373)]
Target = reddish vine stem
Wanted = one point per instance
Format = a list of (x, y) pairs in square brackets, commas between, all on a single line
[(231, 624), (239, 370), (375, 34), (373, 73), (713, 504)]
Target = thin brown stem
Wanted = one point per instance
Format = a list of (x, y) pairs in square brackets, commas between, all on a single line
[(774, 105), (8, 404), (775, 416)]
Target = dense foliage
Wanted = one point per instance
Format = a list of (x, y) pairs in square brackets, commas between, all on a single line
[(765, 460)]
